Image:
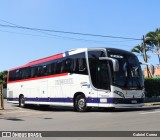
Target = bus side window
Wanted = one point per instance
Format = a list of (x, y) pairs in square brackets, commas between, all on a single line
[(49, 69), (62, 70), (33, 72), (59, 66), (25, 73), (57, 70), (54, 67), (44, 70), (75, 65), (39, 71), (65, 65), (82, 65), (18, 74), (78, 64), (12, 75), (68, 65)]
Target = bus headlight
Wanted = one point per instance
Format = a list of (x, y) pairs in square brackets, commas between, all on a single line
[(119, 93)]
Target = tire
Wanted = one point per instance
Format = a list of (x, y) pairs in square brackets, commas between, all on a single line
[(21, 101), (80, 104)]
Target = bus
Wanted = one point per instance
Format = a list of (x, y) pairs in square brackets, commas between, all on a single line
[(81, 78)]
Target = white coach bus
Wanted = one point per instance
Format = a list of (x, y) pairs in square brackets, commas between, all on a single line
[(81, 78)]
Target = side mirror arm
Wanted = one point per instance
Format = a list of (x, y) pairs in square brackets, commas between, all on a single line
[(148, 64), (114, 61)]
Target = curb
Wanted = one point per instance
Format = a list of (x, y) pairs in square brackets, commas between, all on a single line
[(152, 103)]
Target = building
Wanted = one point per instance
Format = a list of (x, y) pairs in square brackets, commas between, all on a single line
[(156, 72)]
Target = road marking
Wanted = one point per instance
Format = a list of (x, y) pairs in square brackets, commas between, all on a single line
[(150, 112)]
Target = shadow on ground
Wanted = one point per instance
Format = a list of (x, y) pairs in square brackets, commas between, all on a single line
[(70, 109)]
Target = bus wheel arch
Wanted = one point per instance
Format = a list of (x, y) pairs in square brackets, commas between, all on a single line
[(21, 101), (80, 102)]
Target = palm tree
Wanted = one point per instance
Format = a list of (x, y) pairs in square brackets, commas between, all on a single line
[(153, 39), (139, 49)]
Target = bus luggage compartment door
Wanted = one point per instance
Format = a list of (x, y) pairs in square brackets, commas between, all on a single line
[(43, 89)]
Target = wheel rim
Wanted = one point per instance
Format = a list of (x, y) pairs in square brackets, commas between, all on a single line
[(22, 101), (81, 104)]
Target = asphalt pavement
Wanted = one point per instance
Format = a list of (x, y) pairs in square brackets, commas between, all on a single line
[(34, 118)]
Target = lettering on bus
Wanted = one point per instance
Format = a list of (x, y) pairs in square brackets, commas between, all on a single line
[(64, 81)]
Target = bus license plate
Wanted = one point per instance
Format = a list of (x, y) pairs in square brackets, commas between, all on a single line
[(133, 101)]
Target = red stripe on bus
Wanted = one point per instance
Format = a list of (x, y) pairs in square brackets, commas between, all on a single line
[(46, 59), (37, 78)]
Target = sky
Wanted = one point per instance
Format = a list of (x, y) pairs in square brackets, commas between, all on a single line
[(124, 18)]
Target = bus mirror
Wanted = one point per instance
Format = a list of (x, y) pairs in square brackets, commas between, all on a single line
[(151, 67), (114, 61)]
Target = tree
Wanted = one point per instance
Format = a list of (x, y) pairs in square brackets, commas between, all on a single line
[(3, 78), (153, 39), (141, 50)]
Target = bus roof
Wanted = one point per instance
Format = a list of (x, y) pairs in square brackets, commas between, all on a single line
[(38, 61), (49, 58), (61, 55)]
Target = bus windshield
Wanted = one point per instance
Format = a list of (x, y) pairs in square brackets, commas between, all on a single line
[(130, 73)]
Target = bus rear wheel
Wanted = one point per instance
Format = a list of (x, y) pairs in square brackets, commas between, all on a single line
[(21, 101), (80, 104)]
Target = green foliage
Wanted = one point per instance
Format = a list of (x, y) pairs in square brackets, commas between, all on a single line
[(153, 39), (139, 50), (3, 78), (151, 42), (152, 87)]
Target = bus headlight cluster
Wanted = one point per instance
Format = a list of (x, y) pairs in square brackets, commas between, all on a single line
[(119, 93)]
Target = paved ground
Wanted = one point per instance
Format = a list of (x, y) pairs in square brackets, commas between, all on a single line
[(13, 118)]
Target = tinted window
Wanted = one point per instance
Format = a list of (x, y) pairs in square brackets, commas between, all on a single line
[(33, 72), (12, 75), (25, 73), (71, 64), (18, 74), (130, 73), (99, 70), (77, 64)]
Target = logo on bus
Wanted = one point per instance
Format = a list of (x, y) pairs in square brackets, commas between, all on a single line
[(64, 81)]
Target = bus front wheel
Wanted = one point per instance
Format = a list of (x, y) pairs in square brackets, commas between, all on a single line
[(80, 104), (21, 101)]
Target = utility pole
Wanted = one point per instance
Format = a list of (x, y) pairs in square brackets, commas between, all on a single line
[(145, 55)]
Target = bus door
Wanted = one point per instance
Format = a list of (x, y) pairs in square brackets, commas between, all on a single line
[(103, 81), (99, 74)]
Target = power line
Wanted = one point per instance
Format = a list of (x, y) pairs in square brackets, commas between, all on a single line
[(65, 32), (64, 37), (11, 32), (71, 38), (21, 26)]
